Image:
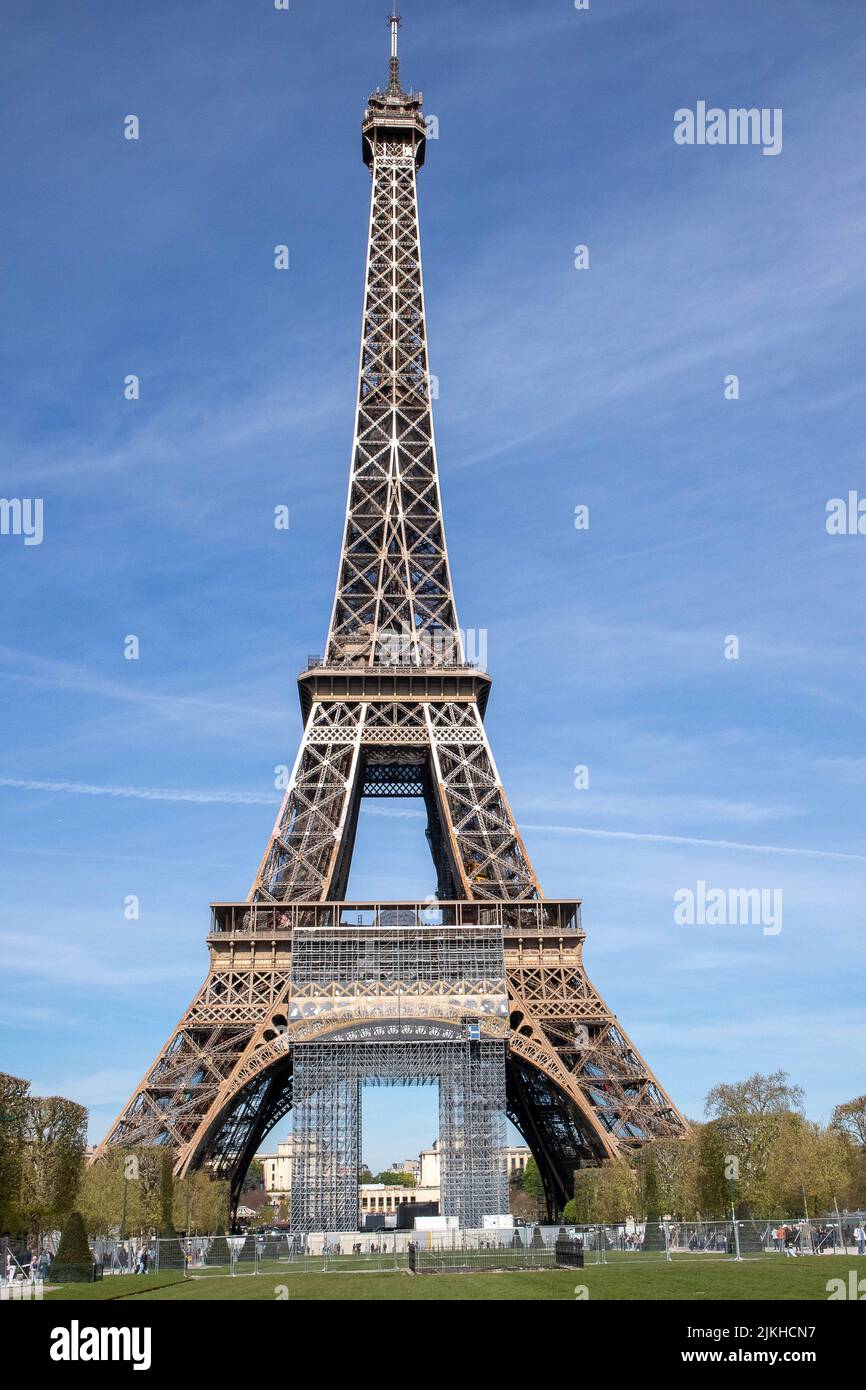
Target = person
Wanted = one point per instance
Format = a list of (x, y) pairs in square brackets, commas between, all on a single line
[(860, 1237)]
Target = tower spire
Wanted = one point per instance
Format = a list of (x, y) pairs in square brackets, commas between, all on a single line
[(394, 88)]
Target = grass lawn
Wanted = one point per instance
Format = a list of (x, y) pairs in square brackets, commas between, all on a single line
[(117, 1286), (699, 1280)]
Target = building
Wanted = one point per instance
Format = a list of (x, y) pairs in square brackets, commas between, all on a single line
[(409, 1165), (383, 1198), (516, 1158), (277, 1169), (429, 1167)]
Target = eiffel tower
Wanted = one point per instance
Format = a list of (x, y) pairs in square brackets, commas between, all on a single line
[(482, 988)]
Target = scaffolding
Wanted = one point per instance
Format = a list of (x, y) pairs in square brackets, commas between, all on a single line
[(431, 1002), (327, 1124), (395, 951)]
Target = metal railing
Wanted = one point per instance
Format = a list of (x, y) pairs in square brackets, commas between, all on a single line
[(317, 663), (550, 917), (520, 1247)]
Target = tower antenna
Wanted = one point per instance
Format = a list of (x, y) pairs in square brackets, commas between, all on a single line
[(394, 88)]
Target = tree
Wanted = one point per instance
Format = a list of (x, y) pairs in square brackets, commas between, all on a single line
[(263, 1211), (396, 1179), (809, 1166), (648, 1179), (608, 1193), (586, 1196), (254, 1178), (72, 1261), (149, 1197), (850, 1119), (56, 1135), (166, 1194), (100, 1196), (14, 1095), (201, 1204), (749, 1117), (710, 1182), (533, 1185), (284, 1213), (757, 1095), (677, 1166)]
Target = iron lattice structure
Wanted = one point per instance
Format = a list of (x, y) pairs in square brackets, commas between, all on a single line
[(394, 709)]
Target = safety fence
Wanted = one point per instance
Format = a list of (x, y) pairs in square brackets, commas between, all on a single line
[(523, 1247), (527, 1246)]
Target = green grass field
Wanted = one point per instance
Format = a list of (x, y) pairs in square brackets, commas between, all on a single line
[(697, 1280)]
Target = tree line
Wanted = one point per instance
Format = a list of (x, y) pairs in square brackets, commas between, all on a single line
[(755, 1152), (44, 1177)]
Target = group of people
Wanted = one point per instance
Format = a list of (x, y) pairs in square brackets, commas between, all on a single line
[(858, 1236), (626, 1240), (27, 1265), (131, 1259), (817, 1238)]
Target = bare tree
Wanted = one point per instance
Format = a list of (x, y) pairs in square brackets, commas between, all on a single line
[(850, 1119), (757, 1095)]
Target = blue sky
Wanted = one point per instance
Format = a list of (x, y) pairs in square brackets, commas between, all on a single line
[(558, 387)]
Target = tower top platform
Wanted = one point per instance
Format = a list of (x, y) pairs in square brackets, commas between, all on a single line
[(393, 115)]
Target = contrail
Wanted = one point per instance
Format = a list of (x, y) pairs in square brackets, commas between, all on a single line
[(268, 799), (693, 840), (144, 793)]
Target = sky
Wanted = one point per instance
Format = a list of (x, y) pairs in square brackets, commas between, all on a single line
[(559, 388)]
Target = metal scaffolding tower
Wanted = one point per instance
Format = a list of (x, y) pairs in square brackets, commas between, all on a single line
[(327, 1124)]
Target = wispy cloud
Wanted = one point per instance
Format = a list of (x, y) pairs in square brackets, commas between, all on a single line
[(226, 798), (53, 960), (627, 804), (36, 670), (243, 798), (653, 838)]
